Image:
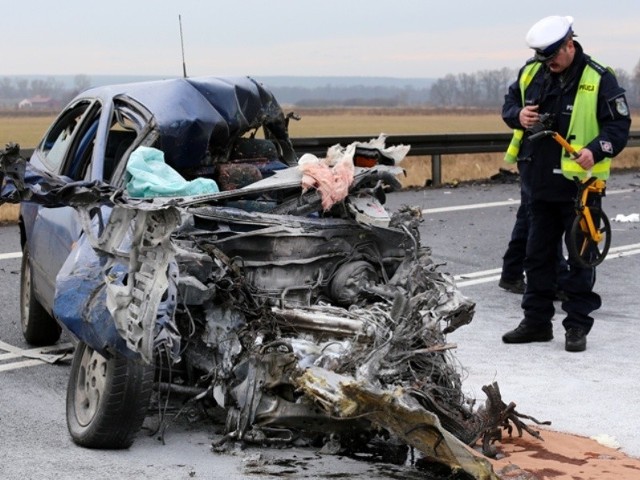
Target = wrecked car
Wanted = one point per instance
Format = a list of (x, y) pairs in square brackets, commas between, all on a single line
[(171, 228)]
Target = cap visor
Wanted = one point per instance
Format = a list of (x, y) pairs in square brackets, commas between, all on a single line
[(541, 57)]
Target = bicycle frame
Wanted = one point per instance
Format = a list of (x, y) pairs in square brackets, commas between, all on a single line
[(590, 185)]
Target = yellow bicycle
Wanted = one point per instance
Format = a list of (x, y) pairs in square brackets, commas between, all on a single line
[(590, 235)]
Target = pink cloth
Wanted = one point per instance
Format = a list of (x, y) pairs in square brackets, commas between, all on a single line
[(332, 182)]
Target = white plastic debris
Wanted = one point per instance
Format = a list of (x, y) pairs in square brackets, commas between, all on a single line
[(632, 217), (395, 152), (308, 158), (606, 441)]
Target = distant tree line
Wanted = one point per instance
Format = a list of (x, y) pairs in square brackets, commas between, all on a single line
[(352, 96), (14, 90), (483, 89), (487, 88)]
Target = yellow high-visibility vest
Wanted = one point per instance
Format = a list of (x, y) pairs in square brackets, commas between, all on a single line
[(527, 75), (582, 127)]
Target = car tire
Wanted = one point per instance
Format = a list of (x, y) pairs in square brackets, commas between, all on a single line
[(38, 327), (107, 398)]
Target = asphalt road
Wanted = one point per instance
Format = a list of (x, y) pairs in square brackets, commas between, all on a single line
[(590, 393)]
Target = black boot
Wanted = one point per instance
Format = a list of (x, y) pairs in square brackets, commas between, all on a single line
[(527, 334), (575, 340), (513, 286)]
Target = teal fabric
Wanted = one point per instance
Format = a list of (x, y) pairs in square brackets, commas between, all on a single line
[(152, 177)]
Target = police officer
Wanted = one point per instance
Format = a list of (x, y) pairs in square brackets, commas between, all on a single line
[(582, 101)]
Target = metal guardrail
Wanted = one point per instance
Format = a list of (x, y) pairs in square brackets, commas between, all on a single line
[(421, 145), (433, 145)]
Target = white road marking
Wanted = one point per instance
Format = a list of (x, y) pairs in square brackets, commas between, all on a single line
[(15, 365), (493, 275), (456, 208), (8, 256), (15, 352)]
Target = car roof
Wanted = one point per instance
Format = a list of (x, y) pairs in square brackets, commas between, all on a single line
[(200, 113)]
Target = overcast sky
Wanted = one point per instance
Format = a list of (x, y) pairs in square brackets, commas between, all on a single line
[(390, 38)]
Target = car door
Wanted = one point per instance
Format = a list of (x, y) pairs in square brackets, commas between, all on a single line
[(90, 140), (67, 149)]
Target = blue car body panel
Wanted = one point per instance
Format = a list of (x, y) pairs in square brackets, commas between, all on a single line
[(194, 115)]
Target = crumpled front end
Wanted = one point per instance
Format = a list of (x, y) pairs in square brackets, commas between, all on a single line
[(302, 323), (117, 289)]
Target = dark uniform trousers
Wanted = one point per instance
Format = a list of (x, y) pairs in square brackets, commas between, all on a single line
[(513, 259), (548, 222)]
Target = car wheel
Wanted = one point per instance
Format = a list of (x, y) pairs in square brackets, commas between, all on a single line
[(107, 398), (38, 327)]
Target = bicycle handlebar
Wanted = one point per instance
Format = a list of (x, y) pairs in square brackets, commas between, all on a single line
[(558, 138)]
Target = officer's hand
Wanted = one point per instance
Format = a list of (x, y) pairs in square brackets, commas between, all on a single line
[(528, 116), (585, 159)]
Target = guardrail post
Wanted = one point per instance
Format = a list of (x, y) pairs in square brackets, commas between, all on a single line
[(436, 169)]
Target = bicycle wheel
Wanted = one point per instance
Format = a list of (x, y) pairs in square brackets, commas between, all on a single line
[(583, 249)]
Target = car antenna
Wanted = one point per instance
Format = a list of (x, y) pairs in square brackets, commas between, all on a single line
[(184, 65)]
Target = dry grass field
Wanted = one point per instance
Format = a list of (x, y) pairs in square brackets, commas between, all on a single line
[(367, 122), (24, 130), (371, 122)]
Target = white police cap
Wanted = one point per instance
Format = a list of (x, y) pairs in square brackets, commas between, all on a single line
[(547, 36)]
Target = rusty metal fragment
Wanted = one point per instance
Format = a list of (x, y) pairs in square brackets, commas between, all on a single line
[(397, 412)]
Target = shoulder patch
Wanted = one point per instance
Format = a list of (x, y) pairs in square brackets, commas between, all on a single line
[(621, 106)]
